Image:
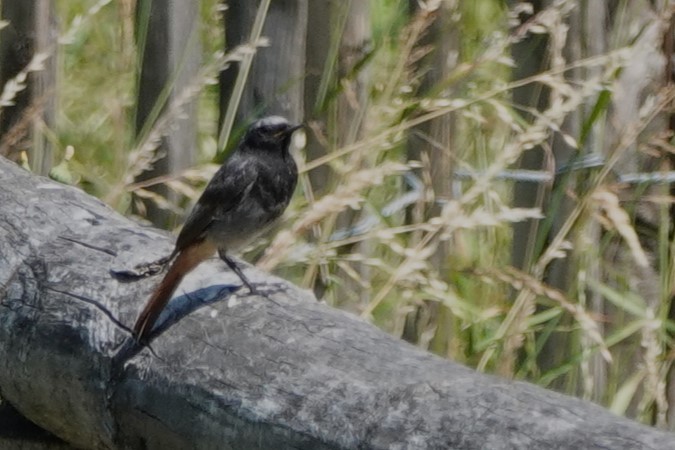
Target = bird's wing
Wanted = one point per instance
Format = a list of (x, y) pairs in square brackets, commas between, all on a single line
[(228, 187)]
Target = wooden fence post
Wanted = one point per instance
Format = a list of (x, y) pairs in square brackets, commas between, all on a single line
[(275, 83), (31, 31), (168, 40)]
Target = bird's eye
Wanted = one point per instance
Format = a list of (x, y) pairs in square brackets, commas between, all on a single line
[(274, 131)]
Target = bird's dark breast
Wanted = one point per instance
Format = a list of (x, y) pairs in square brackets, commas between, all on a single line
[(266, 201), (275, 187)]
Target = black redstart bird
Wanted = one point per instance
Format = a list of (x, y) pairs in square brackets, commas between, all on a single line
[(247, 194)]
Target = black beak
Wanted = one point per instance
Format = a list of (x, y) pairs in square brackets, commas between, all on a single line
[(292, 128), (287, 132)]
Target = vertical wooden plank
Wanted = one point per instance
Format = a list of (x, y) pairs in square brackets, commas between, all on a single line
[(618, 266), (316, 56), (32, 30), (432, 142), (669, 69), (276, 80), (350, 108), (530, 57), (340, 34), (167, 31)]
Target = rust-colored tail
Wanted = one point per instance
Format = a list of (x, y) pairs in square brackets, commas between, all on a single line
[(187, 259)]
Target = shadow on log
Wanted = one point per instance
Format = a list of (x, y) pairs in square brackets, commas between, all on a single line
[(238, 371)]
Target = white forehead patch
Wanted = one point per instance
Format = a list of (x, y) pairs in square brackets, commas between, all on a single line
[(271, 121)]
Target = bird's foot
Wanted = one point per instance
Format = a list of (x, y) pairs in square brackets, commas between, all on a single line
[(142, 270)]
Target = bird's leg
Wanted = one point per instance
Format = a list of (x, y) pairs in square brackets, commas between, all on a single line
[(235, 268)]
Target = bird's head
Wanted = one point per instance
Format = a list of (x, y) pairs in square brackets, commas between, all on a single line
[(270, 133)]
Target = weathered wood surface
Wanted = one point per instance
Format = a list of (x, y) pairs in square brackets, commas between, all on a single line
[(18, 433), (238, 371)]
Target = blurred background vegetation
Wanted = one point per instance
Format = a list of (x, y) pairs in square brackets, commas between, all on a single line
[(490, 180)]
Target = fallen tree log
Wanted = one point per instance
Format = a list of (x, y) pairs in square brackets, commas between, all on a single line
[(231, 370)]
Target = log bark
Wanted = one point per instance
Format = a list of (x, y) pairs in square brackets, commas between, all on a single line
[(231, 370)]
